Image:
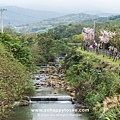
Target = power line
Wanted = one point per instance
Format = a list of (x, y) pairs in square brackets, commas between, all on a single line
[(1, 11)]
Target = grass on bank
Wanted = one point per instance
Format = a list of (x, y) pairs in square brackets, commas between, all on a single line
[(100, 56)]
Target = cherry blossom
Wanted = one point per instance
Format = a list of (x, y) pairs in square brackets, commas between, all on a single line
[(106, 36), (88, 34)]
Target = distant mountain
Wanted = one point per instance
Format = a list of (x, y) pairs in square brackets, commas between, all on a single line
[(46, 24), (100, 13), (114, 17), (104, 19), (28, 20), (53, 22), (18, 16), (74, 17)]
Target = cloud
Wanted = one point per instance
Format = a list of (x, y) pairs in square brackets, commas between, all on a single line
[(66, 5)]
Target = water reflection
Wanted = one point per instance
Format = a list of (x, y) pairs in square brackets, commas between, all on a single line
[(48, 110), (21, 113), (58, 110)]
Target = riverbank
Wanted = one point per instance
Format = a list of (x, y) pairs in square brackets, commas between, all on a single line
[(96, 83), (15, 82), (56, 78), (100, 56), (54, 100), (91, 82)]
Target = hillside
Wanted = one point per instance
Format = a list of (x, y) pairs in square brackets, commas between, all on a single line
[(96, 83), (18, 16), (53, 22), (14, 81), (101, 13), (28, 20), (46, 24)]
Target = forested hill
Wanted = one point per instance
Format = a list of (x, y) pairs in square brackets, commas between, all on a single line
[(104, 19), (46, 24), (28, 20), (17, 16)]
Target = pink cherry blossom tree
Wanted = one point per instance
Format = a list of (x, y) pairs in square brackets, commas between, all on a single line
[(88, 34), (106, 35)]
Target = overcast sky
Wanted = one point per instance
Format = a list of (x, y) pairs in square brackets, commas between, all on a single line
[(66, 5)]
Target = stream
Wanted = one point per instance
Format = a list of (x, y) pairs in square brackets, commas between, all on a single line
[(48, 110)]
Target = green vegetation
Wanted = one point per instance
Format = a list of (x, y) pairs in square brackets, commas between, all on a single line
[(17, 48), (100, 56), (94, 80), (45, 25), (15, 80)]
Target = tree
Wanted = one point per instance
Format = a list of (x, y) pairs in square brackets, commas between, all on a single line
[(78, 38), (15, 81), (18, 49), (105, 37), (88, 34), (45, 44)]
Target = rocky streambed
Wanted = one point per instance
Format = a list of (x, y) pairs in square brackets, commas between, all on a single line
[(49, 82)]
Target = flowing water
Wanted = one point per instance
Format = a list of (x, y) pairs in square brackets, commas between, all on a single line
[(49, 110)]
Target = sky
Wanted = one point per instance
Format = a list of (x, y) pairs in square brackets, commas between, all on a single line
[(66, 6)]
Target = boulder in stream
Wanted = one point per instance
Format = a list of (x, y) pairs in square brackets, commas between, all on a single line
[(24, 103)]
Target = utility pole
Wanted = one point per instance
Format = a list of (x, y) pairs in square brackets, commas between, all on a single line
[(2, 10), (94, 30), (78, 16)]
